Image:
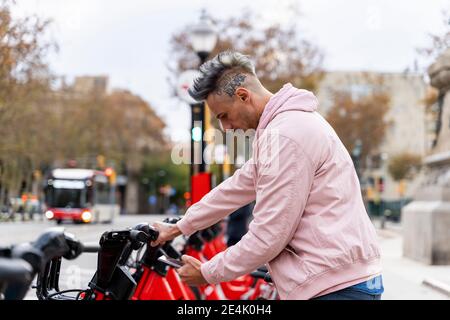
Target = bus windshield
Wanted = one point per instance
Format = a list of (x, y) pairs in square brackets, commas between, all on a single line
[(62, 195)]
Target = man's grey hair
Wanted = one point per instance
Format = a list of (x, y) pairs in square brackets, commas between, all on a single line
[(222, 74)]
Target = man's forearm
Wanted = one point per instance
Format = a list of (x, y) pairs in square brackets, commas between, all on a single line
[(224, 199)]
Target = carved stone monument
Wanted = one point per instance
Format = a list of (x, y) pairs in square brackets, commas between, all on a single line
[(426, 220)]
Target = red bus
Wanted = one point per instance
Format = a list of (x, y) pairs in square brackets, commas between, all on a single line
[(81, 196)]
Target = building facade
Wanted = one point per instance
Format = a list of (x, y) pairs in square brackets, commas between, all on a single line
[(409, 127)]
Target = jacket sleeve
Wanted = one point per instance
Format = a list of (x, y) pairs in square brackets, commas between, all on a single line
[(230, 195), (283, 187)]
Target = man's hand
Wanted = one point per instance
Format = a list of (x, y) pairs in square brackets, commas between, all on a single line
[(167, 232), (190, 273)]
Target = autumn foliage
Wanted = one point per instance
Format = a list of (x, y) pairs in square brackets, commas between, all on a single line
[(360, 118), (45, 123), (281, 54)]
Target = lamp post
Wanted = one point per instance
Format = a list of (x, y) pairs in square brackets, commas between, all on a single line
[(203, 39), (356, 155)]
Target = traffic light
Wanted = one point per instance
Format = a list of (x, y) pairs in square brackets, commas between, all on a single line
[(111, 174), (197, 134)]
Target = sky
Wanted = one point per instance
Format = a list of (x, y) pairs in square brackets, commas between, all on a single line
[(129, 41)]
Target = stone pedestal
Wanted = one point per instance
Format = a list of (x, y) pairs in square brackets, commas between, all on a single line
[(426, 220)]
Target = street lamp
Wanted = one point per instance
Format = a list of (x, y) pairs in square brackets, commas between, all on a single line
[(203, 37)]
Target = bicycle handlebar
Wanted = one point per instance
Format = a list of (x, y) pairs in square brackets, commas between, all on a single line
[(151, 233), (16, 276), (43, 257), (90, 247), (172, 220), (262, 275), (15, 270)]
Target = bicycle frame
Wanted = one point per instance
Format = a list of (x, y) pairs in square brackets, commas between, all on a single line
[(157, 281), (242, 288)]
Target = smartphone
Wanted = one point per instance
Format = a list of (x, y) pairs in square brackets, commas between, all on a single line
[(174, 263)]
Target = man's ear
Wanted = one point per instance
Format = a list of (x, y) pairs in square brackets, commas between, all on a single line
[(242, 94)]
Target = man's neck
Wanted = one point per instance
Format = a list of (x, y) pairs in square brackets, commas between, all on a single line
[(265, 97)]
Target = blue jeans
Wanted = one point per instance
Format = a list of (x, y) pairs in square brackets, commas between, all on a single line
[(349, 294)]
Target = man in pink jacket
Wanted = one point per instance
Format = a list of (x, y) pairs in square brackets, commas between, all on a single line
[(309, 223)]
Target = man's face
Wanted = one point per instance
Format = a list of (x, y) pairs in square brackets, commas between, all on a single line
[(233, 113)]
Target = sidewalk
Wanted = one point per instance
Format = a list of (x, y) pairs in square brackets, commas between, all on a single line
[(406, 279)]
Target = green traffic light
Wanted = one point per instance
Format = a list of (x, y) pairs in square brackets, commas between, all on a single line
[(197, 134)]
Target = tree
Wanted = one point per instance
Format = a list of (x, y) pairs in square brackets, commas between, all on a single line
[(119, 126), (280, 53), (24, 82), (177, 176), (403, 165), (361, 118), (42, 125), (439, 42)]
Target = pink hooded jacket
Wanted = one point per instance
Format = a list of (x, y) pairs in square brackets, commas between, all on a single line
[(309, 223)]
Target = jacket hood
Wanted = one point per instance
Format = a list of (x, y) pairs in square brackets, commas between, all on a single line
[(287, 99)]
